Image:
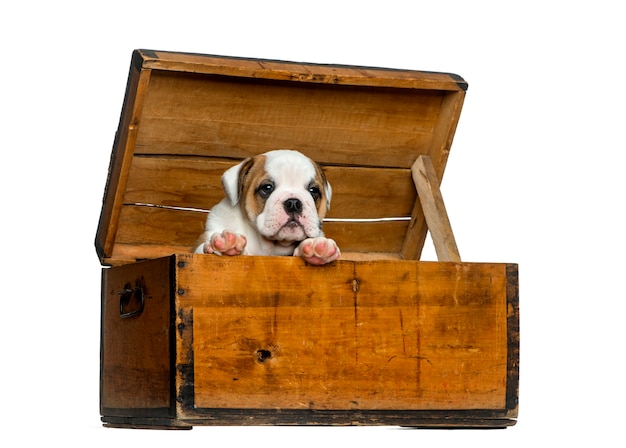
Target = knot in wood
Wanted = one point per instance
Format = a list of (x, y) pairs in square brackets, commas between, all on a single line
[(263, 355)]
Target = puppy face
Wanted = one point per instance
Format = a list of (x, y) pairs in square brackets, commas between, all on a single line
[(283, 193)]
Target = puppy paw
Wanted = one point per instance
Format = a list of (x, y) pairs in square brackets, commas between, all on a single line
[(318, 251), (226, 243)]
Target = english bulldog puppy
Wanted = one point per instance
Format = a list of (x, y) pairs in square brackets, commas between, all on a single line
[(274, 205)]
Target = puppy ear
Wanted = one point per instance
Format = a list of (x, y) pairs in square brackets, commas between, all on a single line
[(233, 178), (329, 194), (328, 191), (230, 183)]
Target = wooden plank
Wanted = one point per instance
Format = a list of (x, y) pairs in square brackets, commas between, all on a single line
[(196, 183), (199, 115), (125, 253), (156, 226), (242, 336), (293, 71), (439, 151), (435, 213), (347, 336), (131, 253), (513, 336), (121, 158), (135, 354), (415, 235), (444, 131), (179, 182), (444, 329), (147, 232), (384, 237), (470, 419)]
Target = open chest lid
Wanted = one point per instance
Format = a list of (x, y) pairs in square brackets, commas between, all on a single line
[(186, 118)]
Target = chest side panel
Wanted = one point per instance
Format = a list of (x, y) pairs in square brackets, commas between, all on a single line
[(135, 351), (350, 336)]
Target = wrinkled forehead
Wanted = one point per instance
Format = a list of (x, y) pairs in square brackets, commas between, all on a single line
[(290, 168)]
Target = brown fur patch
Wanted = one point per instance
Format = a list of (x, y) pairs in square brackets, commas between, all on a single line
[(322, 203), (250, 177)]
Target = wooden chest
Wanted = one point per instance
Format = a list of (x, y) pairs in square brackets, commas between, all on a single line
[(376, 338)]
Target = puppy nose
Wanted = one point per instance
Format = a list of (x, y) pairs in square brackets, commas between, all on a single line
[(293, 205)]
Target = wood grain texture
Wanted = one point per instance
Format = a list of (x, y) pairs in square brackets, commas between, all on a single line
[(196, 115), (135, 352), (366, 335), (186, 118), (270, 340), (148, 232), (196, 183), (434, 210), (121, 157), (294, 71)]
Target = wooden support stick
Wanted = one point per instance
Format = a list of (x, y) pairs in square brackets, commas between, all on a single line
[(429, 194)]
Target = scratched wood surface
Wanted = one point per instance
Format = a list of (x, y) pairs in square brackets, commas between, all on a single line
[(135, 355), (369, 335)]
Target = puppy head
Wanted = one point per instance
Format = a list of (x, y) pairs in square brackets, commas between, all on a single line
[(283, 193)]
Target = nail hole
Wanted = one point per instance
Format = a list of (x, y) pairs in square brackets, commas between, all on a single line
[(263, 355)]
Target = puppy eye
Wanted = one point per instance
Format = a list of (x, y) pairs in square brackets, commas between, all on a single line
[(265, 190), (315, 192)]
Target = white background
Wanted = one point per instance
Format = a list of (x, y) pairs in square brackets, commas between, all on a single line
[(535, 177)]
